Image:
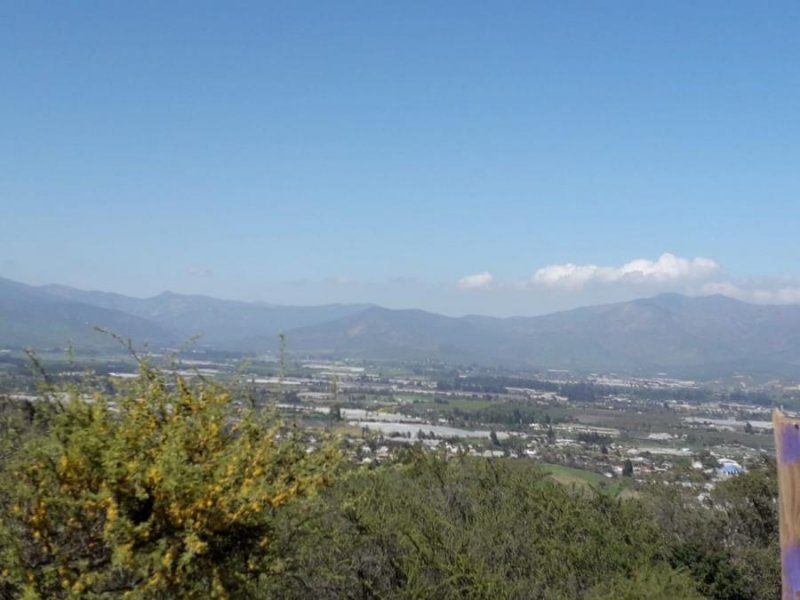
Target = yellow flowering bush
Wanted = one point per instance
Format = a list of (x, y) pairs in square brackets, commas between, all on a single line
[(163, 489)]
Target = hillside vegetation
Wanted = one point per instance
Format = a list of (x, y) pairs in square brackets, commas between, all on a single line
[(161, 489)]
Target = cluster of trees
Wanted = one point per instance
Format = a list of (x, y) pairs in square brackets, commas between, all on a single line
[(165, 489), (492, 384), (587, 392), (730, 545), (751, 397), (579, 392), (511, 414), (429, 527), (593, 438)]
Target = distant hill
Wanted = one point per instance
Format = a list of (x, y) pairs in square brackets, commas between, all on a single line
[(31, 317), (679, 335), (712, 335), (672, 333), (381, 333), (222, 323)]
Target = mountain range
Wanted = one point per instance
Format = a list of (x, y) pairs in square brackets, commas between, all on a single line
[(669, 333)]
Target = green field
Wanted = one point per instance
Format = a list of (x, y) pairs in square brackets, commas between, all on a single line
[(587, 479)]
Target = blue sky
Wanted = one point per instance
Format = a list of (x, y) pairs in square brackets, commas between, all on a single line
[(362, 151)]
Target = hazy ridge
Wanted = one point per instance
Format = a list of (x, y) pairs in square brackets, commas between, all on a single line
[(676, 334)]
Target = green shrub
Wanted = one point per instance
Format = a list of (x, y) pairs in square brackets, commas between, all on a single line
[(162, 490)]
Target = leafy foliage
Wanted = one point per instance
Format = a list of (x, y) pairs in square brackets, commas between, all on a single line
[(730, 547), (468, 528), (162, 490), (653, 583)]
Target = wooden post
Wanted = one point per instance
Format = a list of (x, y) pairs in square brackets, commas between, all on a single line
[(787, 449)]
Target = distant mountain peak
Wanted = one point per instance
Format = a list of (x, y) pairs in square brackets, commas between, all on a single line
[(671, 333)]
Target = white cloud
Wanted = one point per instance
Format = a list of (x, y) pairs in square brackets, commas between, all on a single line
[(594, 283), (763, 292), (667, 269), (476, 281)]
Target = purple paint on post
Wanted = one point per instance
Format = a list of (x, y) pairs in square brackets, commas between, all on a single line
[(790, 443), (791, 567)]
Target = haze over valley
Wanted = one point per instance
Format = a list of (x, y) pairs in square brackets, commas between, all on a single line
[(697, 337)]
